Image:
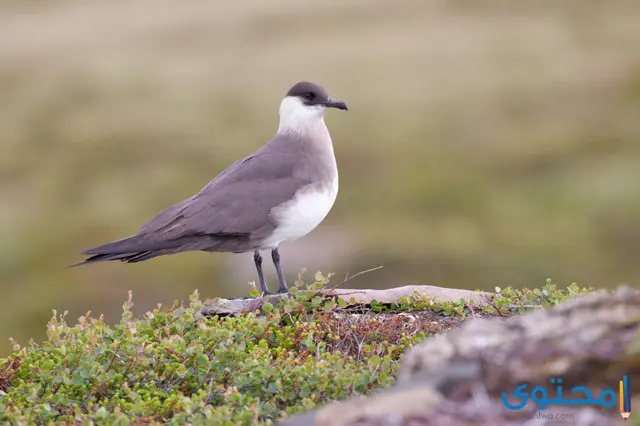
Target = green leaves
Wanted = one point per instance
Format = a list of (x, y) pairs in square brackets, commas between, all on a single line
[(176, 366), (510, 301)]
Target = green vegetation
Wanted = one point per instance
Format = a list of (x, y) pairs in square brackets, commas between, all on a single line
[(174, 365)]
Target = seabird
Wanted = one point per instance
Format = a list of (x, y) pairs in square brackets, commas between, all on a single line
[(277, 194)]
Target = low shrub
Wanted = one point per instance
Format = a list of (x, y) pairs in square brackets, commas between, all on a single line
[(175, 366)]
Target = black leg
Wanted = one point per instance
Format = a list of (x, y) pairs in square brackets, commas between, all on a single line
[(276, 261), (258, 261)]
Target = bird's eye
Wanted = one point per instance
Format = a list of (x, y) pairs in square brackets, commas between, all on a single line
[(309, 96)]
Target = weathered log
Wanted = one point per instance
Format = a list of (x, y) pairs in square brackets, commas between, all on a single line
[(458, 378), (363, 297)]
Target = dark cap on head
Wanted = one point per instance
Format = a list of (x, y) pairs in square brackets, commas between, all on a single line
[(313, 94)]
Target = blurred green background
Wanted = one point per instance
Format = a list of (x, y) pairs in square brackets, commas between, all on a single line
[(486, 143)]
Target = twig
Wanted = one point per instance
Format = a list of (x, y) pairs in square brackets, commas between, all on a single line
[(527, 306), (473, 313), (348, 278)]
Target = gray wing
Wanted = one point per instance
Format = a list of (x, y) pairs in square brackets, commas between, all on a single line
[(229, 214), (238, 200)]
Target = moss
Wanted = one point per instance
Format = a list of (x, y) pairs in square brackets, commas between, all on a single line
[(174, 365)]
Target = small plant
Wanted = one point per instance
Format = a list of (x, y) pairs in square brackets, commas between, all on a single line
[(508, 301), (173, 365)]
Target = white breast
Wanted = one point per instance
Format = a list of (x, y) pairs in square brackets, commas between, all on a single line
[(302, 214)]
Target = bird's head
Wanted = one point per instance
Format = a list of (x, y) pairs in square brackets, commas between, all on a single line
[(304, 105)]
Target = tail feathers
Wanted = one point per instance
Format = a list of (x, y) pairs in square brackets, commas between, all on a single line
[(124, 257), (143, 247), (129, 245), (129, 250)]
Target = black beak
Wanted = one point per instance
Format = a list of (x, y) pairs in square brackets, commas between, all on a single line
[(335, 103)]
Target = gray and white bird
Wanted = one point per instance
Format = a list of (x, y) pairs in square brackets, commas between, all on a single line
[(277, 194)]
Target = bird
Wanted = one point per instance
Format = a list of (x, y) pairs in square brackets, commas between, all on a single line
[(277, 194)]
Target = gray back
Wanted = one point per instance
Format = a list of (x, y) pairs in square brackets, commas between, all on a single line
[(238, 202)]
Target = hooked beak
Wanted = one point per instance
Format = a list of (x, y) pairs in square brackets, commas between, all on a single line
[(335, 103)]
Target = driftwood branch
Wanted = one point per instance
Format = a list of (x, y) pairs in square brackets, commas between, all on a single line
[(351, 297), (458, 378)]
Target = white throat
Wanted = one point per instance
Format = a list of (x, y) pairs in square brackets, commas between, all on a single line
[(311, 203), (300, 119)]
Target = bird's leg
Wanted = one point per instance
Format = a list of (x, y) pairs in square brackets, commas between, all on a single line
[(275, 255), (258, 261)]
